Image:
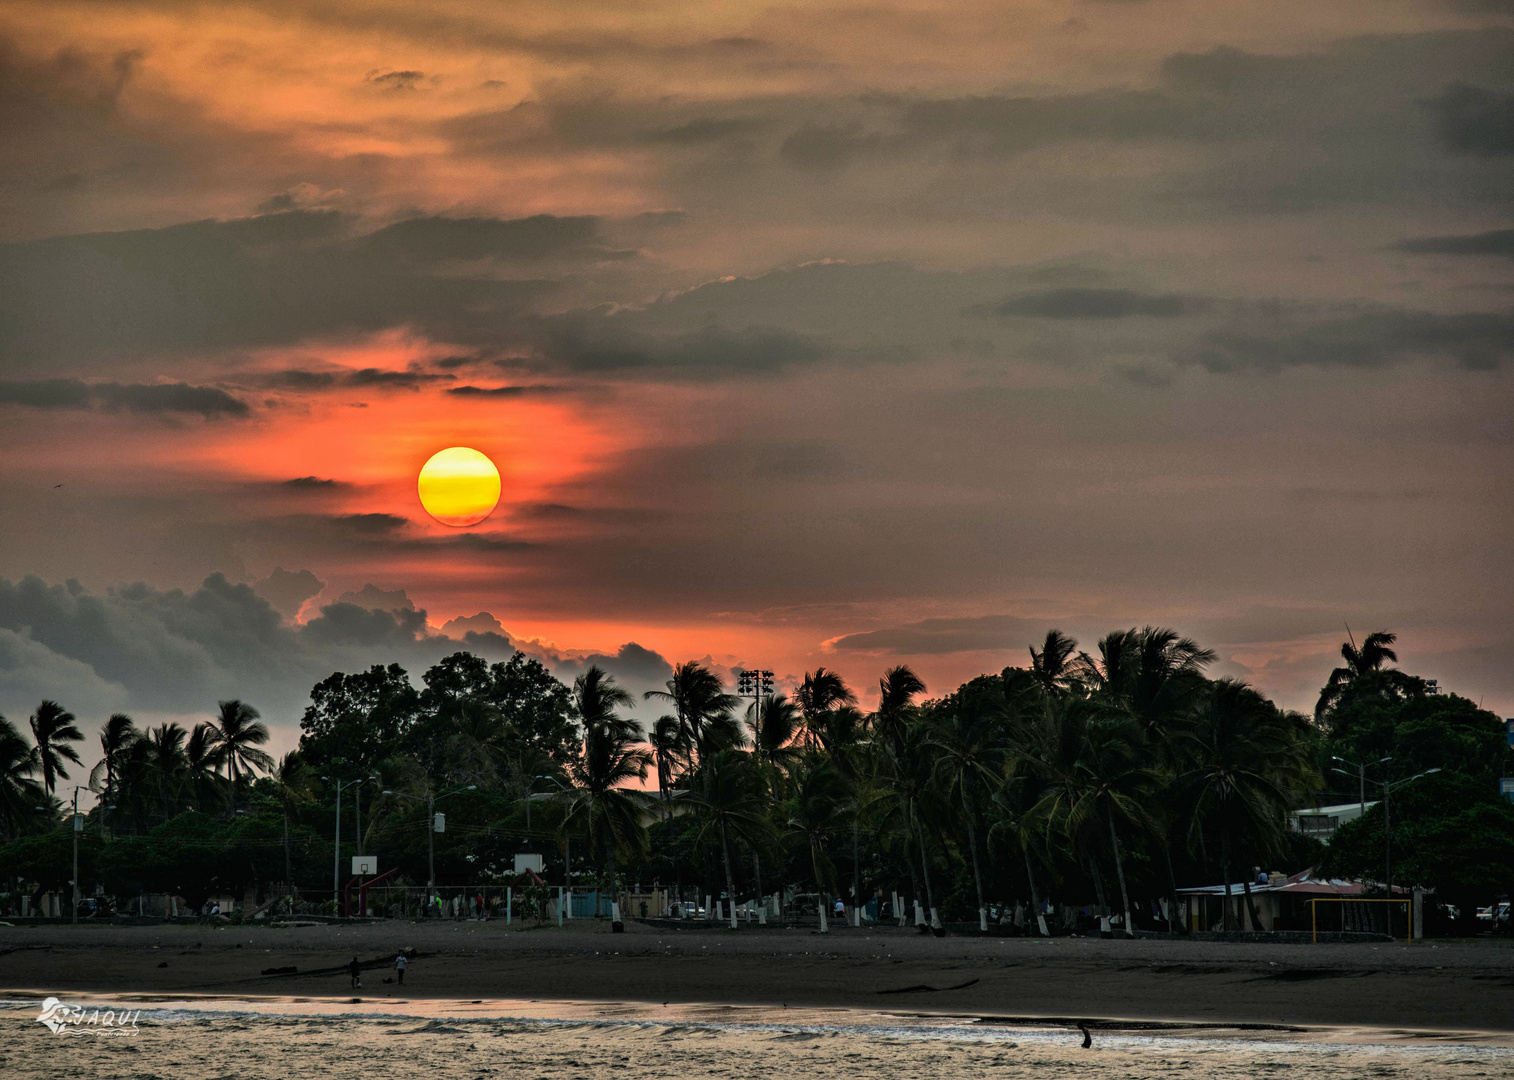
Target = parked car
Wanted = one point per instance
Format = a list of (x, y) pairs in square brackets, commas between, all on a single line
[(96, 907)]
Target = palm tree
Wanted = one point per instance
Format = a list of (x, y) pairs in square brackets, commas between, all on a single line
[(1363, 672), (818, 805), (294, 782), (666, 748), (968, 740), (734, 807), (1152, 673), (202, 782), (821, 693), (1243, 759), (157, 767), (609, 814), (897, 691), (772, 728), (54, 728), (1115, 784), (20, 794), (117, 735), (1051, 666), (238, 734), (702, 708)]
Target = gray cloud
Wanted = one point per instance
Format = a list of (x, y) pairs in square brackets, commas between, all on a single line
[(287, 591), (1366, 340), (985, 633), (139, 648), (1472, 120), (206, 401), (1493, 242), (1093, 304)]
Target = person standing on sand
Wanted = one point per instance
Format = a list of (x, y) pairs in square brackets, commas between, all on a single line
[(400, 964), (355, 969)]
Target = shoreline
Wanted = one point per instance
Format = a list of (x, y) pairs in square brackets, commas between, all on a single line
[(1430, 987)]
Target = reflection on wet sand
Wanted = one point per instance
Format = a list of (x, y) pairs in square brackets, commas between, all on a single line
[(335, 1038)]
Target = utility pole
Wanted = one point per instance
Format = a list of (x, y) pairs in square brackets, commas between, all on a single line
[(77, 826), (1361, 775), (1388, 789)]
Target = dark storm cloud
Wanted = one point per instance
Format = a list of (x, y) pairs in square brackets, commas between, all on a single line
[(205, 401), (368, 524), (588, 348), (1093, 304), (1493, 242), (311, 483), (287, 591), (278, 278), (937, 636), (1367, 340), (137, 647), (503, 391), (1472, 120), (437, 239)]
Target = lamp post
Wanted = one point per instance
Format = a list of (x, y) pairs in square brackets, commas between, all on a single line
[(336, 859), (1361, 774), (1388, 789), (77, 826), (567, 841)]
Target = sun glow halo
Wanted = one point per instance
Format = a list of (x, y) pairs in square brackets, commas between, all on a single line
[(459, 486)]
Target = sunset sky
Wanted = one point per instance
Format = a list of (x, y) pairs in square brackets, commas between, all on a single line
[(843, 334)]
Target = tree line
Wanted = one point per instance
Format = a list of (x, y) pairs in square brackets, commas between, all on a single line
[(1106, 778)]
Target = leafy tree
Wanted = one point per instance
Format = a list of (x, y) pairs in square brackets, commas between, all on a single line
[(355, 720), (1451, 833)]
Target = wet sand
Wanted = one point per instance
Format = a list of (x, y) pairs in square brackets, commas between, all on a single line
[(334, 1039), (1444, 986)]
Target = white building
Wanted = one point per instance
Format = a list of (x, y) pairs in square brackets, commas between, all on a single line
[(1322, 821)]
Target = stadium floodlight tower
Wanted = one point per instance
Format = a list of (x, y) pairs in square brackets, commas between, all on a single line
[(756, 684)]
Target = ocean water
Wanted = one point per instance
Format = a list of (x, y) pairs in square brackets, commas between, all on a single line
[(340, 1038)]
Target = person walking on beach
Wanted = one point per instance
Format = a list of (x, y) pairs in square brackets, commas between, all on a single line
[(400, 962), (355, 969)]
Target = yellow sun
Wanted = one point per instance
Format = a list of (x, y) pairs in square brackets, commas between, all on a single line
[(459, 486)]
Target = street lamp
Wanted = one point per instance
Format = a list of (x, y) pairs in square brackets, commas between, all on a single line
[(336, 860), (1361, 774), (567, 840), (431, 801), (77, 825), (1388, 789)]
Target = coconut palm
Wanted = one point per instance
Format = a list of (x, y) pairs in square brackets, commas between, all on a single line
[(53, 729), (667, 747), (1363, 674), (295, 784), (600, 805), (897, 691), (203, 785), (1152, 673), (1052, 666), (702, 708), (733, 809), (20, 794), (772, 728), (239, 733), (1243, 759), (157, 769), (967, 736), (117, 735), (819, 804), (821, 693)]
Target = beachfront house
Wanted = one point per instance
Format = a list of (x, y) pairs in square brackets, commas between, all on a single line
[(1283, 903)]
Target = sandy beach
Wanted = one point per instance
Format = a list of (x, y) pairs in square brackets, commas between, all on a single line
[(1432, 986)]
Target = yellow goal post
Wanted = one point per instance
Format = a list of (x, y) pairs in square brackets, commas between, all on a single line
[(1407, 901)]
